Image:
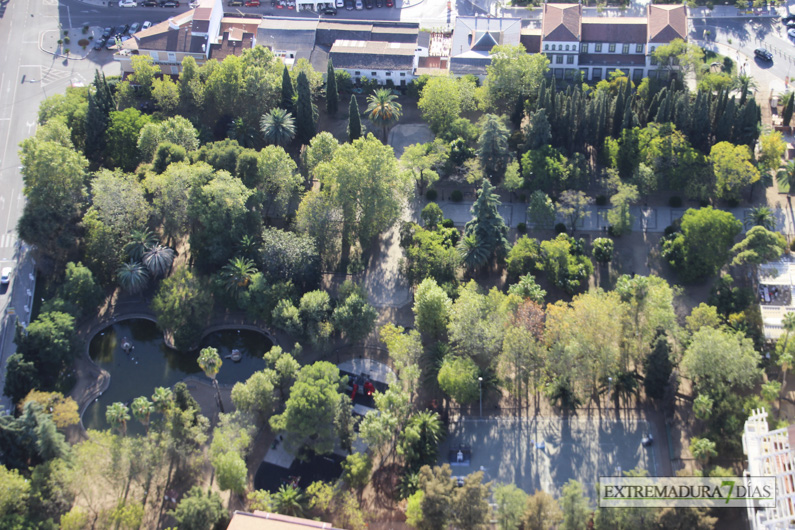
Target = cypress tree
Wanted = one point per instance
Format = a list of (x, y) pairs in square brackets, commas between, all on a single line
[(726, 121), (786, 115), (617, 115), (304, 113), (332, 96), (354, 120), (658, 368), (288, 94), (96, 125), (700, 129)]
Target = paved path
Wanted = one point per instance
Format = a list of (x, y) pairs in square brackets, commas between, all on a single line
[(655, 219)]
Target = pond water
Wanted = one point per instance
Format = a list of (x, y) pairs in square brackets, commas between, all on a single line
[(151, 363)]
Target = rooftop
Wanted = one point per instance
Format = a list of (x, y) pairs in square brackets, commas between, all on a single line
[(271, 521), (667, 22), (172, 35), (481, 34), (611, 59), (562, 22), (377, 55), (615, 29)]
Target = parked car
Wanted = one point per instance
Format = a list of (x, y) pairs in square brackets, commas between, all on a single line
[(146, 25), (349, 5), (359, 5), (368, 4), (128, 3), (233, 3), (121, 29), (788, 18), (340, 4), (379, 3), (134, 27), (6, 276), (330, 11), (100, 43), (169, 3), (763, 54), (389, 3), (111, 43), (107, 32), (252, 3), (149, 3), (791, 33)]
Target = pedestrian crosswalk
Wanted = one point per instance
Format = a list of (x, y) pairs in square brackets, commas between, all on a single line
[(8, 240)]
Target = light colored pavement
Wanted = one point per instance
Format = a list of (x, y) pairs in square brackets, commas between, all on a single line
[(653, 219)]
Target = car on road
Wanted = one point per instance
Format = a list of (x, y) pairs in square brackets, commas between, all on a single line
[(134, 27), (146, 25), (121, 29), (107, 32), (5, 277), (252, 3), (100, 43), (763, 54), (128, 3), (169, 3), (149, 3)]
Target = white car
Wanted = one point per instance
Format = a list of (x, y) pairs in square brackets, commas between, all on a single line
[(359, 5), (340, 4), (146, 25), (6, 276), (128, 3)]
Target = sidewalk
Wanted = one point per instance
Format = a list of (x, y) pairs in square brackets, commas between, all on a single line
[(48, 42), (652, 219), (734, 12)]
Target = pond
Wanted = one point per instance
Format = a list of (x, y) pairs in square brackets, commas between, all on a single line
[(151, 363)]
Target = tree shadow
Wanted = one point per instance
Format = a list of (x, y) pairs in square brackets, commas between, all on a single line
[(385, 481)]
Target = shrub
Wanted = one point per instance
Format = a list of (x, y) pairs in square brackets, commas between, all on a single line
[(85, 30), (560, 228), (601, 200), (675, 202), (448, 223), (792, 245), (66, 32), (431, 195), (83, 42), (603, 249), (457, 196), (60, 41), (521, 228), (67, 40), (66, 51)]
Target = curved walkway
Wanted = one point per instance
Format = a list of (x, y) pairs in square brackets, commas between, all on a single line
[(92, 381)]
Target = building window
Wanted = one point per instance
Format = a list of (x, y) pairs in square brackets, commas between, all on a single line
[(558, 59), (639, 48), (172, 57), (625, 49), (357, 73), (612, 47), (154, 55), (402, 74), (652, 49), (567, 47), (569, 59), (174, 70), (546, 46), (584, 47), (598, 47), (653, 60), (389, 74), (373, 74)]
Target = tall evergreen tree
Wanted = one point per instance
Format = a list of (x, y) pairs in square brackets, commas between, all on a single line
[(789, 106), (354, 120), (306, 126), (100, 105), (486, 235), (701, 130), (332, 95), (288, 94), (493, 147), (724, 130), (658, 368)]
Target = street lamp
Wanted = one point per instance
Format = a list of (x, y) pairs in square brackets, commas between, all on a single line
[(480, 388), (609, 387)]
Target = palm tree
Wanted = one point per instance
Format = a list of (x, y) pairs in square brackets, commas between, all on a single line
[(744, 83), (760, 216), (118, 415), (162, 399), (237, 275), (278, 126), (241, 131), (473, 255), (788, 323), (248, 246), (158, 260), (139, 242), (141, 409), (289, 501), (210, 362), (786, 176), (382, 109), (132, 277)]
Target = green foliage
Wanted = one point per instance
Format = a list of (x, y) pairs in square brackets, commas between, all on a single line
[(574, 505), (176, 130), (431, 309), (332, 94), (122, 138), (354, 120), (702, 449), (311, 408), (658, 367), (542, 511), (701, 248), (79, 291), (278, 127), (565, 264), (182, 306), (603, 249), (541, 210), (759, 246), (524, 257), (485, 235), (287, 256), (356, 469), (382, 109), (231, 472), (167, 154), (429, 254), (511, 502), (21, 377), (718, 360), (492, 149), (442, 99), (733, 169), (419, 441), (619, 216), (512, 74), (458, 378), (199, 510), (354, 318), (527, 288)]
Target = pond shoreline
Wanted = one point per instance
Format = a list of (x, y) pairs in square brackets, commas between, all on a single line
[(92, 380)]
